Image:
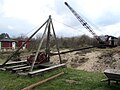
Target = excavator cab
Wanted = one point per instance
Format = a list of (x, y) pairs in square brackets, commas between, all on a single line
[(103, 41), (111, 41), (108, 41)]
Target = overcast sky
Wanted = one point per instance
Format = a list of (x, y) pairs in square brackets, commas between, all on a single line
[(25, 16)]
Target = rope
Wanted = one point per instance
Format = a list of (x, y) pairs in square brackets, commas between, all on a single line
[(67, 25)]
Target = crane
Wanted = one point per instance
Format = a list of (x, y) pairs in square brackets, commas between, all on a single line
[(107, 40)]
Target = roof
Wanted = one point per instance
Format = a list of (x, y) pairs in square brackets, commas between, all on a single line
[(4, 36), (111, 36), (23, 40), (8, 40)]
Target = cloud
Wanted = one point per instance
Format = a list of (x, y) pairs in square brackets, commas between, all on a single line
[(109, 18), (14, 26), (1, 5), (23, 15), (102, 12), (113, 29), (10, 27)]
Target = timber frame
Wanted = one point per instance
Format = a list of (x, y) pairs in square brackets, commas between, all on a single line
[(22, 67)]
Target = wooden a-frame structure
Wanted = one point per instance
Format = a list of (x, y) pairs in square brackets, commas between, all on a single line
[(22, 65)]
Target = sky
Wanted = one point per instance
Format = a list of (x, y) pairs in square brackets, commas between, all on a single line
[(23, 17)]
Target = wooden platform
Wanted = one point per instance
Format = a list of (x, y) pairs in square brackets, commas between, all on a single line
[(14, 63), (16, 66), (112, 75), (11, 65), (23, 68)]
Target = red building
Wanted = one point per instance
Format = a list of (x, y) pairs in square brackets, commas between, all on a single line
[(20, 42), (7, 43)]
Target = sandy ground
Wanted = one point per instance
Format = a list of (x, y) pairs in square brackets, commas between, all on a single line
[(91, 60)]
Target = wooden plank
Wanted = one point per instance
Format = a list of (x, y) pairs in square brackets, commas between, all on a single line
[(20, 68), (46, 69), (47, 64), (17, 62), (16, 66), (13, 63)]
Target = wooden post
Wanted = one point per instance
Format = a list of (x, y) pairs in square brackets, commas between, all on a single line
[(41, 82), (39, 46), (0, 45), (56, 42), (117, 82), (48, 42), (108, 81)]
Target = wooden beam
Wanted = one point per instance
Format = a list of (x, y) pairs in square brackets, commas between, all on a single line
[(48, 42), (57, 46), (39, 47), (45, 69), (20, 68), (41, 82), (72, 50), (46, 64), (16, 66), (14, 63)]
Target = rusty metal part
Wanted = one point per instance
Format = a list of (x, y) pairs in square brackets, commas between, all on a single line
[(41, 82), (41, 58)]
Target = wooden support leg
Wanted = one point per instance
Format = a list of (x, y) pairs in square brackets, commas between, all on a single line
[(108, 81), (117, 82)]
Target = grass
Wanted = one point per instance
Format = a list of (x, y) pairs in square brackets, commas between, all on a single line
[(1, 60), (71, 80)]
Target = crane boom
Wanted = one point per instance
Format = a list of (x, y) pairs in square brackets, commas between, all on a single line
[(83, 22)]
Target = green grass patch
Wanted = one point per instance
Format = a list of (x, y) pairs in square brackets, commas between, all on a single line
[(71, 80)]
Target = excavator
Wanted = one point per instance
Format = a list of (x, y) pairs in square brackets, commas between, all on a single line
[(103, 41)]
